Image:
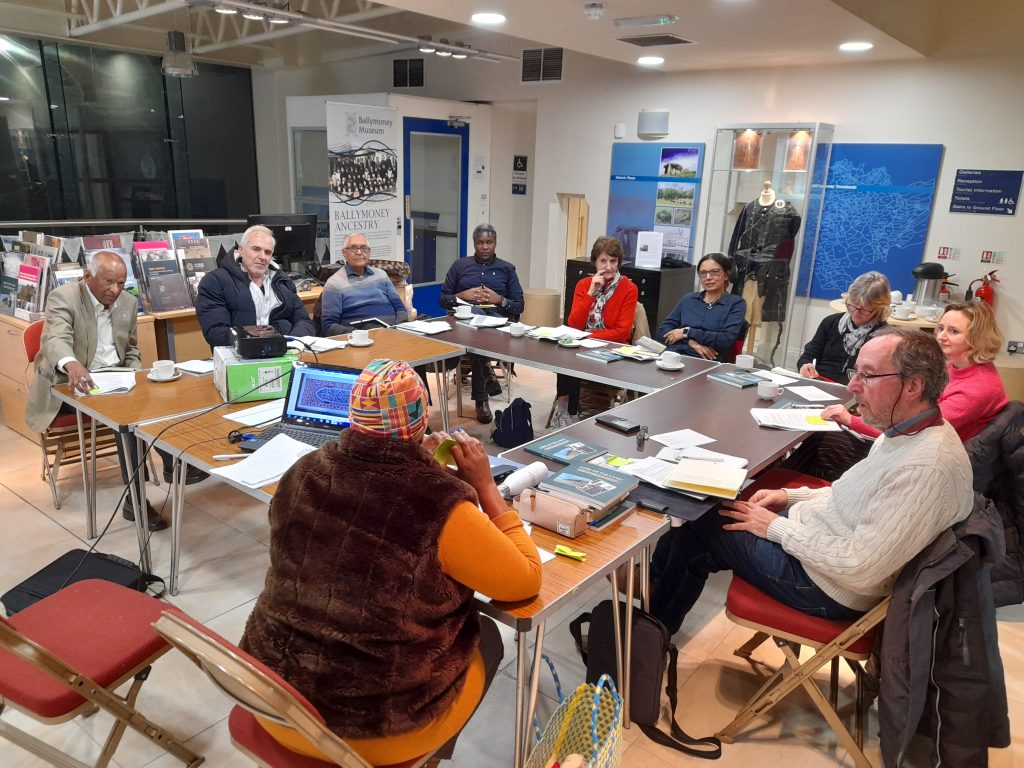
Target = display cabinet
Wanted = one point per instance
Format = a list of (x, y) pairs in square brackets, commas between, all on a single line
[(765, 194)]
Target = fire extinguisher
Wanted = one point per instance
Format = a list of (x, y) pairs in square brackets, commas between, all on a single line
[(945, 295), (986, 292)]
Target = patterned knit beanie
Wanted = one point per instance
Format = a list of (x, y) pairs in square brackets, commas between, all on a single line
[(389, 400)]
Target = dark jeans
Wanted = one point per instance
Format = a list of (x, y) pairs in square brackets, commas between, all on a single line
[(569, 385), (481, 373), (686, 555), (491, 649)]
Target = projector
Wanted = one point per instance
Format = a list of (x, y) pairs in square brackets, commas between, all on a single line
[(257, 342)]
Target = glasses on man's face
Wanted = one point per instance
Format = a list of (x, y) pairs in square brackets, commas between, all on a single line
[(853, 374), (856, 308), (711, 273), (358, 248)]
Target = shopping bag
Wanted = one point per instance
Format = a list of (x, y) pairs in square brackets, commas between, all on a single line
[(588, 723)]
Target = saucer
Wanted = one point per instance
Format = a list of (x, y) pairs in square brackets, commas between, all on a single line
[(666, 367), (569, 346), (366, 343), (151, 377)]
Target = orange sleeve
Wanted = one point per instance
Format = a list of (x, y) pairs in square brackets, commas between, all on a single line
[(494, 557), (582, 301), (619, 312)]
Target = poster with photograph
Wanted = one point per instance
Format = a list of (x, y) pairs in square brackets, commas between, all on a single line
[(746, 151), (655, 188), (362, 176), (798, 149)]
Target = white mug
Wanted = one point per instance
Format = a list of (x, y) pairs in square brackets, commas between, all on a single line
[(901, 312), (517, 329), (670, 358), (463, 311), (745, 362), (163, 369), (767, 390), (359, 336)]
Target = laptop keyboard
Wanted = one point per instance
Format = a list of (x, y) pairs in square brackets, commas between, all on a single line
[(302, 435)]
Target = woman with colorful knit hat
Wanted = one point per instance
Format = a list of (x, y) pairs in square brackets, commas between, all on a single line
[(375, 551)]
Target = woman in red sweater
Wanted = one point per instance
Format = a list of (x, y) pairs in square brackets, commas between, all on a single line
[(604, 304)]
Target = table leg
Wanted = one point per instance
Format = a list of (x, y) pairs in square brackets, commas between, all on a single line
[(136, 487), (535, 671), (627, 654), (441, 377), (87, 453), (518, 759), (177, 513)]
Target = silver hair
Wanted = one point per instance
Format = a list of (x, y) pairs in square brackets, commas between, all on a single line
[(256, 229), (484, 229), (917, 355), (350, 235)]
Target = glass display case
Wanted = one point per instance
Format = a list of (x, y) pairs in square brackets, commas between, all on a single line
[(764, 206)]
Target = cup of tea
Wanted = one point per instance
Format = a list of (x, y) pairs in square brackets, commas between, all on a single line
[(517, 329), (463, 311), (901, 312), (767, 390), (744, 362), (163, 369), (671, 359), (359, 336)]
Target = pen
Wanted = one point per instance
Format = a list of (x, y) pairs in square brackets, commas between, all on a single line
[(228, 456), (857, 435)]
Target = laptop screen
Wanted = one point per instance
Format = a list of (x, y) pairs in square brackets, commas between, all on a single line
[(318, 396)]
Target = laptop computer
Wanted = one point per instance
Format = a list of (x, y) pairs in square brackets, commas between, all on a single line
[(315, 406)]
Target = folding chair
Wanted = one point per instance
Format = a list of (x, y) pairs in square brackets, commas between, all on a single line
[(258, 690), (67, 654), (61, 442), (790, 629)]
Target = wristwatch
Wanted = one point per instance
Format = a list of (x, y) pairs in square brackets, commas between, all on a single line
[(504, 303), (686, 331)]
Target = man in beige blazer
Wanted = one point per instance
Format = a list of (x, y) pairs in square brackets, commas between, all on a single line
[(90, 324)]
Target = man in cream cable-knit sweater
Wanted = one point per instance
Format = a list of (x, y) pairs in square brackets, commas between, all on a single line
[(835, 552)]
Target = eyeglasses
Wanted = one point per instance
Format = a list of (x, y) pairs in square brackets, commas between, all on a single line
[(853, 373), (358, 248), (857, 308), (711, 273)]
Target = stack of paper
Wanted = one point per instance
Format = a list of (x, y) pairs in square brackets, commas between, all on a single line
[(426, 327), (318, 344), (112, 381), (486, 321), (557, 332), (266, 465), (711, 477), (799, 419)]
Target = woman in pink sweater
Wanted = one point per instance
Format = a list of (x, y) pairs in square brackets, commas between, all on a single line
[(970, 339)]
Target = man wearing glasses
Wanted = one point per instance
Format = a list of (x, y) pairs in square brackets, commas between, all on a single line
[(835, 552), (358, 293)]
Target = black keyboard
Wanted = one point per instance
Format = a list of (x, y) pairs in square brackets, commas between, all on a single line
[(302, 435)]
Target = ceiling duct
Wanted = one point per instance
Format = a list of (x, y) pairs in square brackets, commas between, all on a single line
[(542, 64), (177, 62), (648, 41)]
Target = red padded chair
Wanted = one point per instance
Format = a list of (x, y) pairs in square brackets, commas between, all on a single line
[(60, 441), (258, 690), (67, 654)]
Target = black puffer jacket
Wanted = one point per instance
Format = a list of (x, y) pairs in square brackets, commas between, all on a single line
[(224, 301), (997, 456)]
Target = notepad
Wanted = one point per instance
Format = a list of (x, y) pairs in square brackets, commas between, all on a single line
[(711, 478)]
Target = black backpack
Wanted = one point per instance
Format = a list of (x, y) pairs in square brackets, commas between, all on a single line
[(513, 426)]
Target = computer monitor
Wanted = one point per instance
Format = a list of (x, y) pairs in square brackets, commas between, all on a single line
[(294, 236)]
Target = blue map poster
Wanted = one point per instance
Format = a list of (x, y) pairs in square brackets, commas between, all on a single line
[(655, 187), (878, 205)]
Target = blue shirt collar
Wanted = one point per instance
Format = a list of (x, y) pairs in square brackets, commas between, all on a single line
[(352, 273)]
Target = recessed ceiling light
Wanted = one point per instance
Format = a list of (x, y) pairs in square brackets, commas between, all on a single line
[(650, 61), (488, 17), (856, 46)]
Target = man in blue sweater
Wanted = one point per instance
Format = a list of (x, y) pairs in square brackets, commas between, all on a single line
[(491, 285), (358, 292)]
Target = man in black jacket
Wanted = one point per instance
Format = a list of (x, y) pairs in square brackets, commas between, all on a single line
[(250, 290)]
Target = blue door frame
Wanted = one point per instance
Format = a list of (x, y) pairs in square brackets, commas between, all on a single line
[(426, 298)]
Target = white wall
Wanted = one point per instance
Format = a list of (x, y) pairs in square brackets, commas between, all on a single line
[(974, 107)]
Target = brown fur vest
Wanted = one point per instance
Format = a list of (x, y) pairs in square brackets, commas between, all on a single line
[(355, 612)]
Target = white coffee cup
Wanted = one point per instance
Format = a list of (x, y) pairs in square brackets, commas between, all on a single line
[(910, 304), (895, 297), (463, 311), (359, 336), (671, 359), (767, 390), (517, 329), (901, 312), (745, 362), (163, 369)]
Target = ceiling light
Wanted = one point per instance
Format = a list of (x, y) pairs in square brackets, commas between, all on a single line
[(5, 98), (252, 15), (426, 44), (226, 10), (646, 21), (442, 49), (650, 61), (277, 20), (856, 46), (593, 11), (460, 53), (487, 17)]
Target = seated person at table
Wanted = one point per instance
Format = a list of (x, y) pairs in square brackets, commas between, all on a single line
[(492, 286), (89, 324), (250, 290), (706, 323), (604, 304), (359, 292), (840, 336), (835, 552), (368, 605)]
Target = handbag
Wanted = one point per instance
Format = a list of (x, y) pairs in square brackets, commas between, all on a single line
[(587, 723), (652, 653)]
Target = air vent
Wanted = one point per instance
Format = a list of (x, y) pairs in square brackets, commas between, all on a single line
[(408, 73), (646, 41), (542, 64)]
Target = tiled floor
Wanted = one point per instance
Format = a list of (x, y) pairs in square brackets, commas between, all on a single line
[(224, 558)]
